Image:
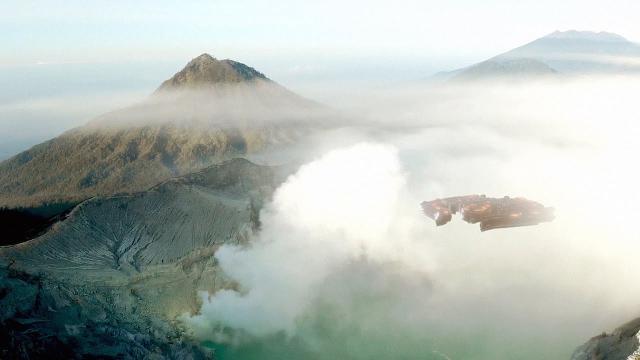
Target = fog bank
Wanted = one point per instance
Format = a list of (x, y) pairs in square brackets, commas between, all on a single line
[(347, 266)]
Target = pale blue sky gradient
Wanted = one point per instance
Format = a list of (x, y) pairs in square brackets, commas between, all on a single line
[(114, 31), (63, 62)]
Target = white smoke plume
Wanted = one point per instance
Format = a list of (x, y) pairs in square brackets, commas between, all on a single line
[(346, 266), (341, 207)]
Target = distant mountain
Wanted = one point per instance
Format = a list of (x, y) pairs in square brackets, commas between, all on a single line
[(581, 52), (569, 52), (209, 111), (511, 69)]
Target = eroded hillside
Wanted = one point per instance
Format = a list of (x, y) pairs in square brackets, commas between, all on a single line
[(121, 269)]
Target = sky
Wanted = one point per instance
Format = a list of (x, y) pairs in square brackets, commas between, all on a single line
[(53, 31), (92, 54)]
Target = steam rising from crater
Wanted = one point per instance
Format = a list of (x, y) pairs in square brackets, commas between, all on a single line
[(335, 210), (345, 265)]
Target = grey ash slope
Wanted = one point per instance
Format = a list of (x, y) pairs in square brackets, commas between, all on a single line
[(114, 277), (209, 111), (130, 232)]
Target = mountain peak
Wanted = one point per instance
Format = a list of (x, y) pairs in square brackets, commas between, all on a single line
[(586, 35), (205, 70), (202, 59)]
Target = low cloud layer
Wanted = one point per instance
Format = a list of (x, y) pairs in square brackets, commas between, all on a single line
[(334, 210), (346, 266), (24, 123)]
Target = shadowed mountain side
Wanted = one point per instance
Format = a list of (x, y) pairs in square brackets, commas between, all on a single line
[(113, 278), (622, 344), (127, 233), (178, 130), (20, 225)]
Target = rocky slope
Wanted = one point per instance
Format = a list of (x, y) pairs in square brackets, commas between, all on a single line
[(206, 70), (209, 111), (622, 344), (113, 278)]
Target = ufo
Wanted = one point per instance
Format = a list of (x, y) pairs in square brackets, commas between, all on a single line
[(491, 213)]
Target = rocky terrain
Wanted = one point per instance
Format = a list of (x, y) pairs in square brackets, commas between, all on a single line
[(622, 344), (205, 70), (112, 279), (210, 111)]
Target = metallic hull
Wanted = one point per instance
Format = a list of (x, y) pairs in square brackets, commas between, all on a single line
[(491, 213)]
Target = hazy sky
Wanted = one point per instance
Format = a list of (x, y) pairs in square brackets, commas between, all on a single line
[(115, 30), (66, 61)]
